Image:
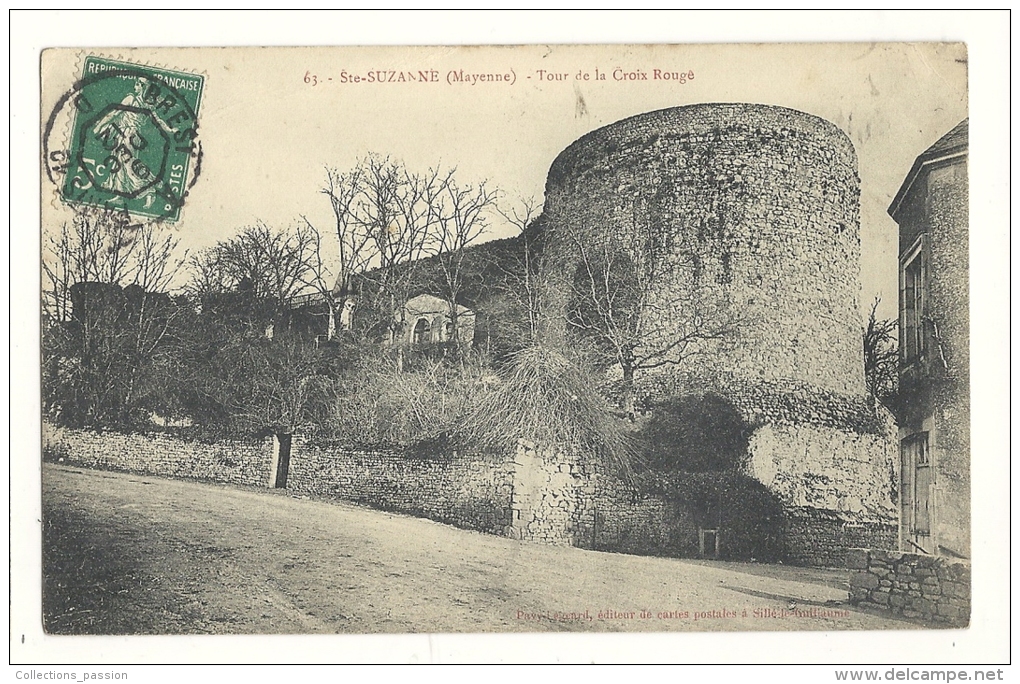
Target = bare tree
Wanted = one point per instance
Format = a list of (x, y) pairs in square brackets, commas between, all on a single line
[(322, 280), (60, 267), (636, 299), (400, 215), (520, 273), (103, 246), (266, 384), (354, 237), (388, 219), (881, 355), (208, 276), (110, 324), (462, 220), (356, 248), (155, 258), (275, 264)]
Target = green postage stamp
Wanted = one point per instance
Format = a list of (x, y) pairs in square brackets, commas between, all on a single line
[(133, 143)]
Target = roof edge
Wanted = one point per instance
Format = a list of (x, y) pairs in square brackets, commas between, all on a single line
[(919, 165), (950, 146)]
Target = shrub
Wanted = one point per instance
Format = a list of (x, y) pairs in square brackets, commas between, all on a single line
[(546, 397), (373, 404), (749, 518), (694, 433)]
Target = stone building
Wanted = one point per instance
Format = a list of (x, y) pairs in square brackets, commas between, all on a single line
[(931, 210), (744, 220), (759, 207), (430, 321)]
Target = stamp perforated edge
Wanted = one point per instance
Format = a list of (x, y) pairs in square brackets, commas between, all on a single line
[(56, 203)]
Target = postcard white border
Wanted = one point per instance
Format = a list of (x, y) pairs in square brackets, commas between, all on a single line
[(986, 34)]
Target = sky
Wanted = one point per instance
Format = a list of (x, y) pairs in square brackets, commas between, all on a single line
[(273, 119)]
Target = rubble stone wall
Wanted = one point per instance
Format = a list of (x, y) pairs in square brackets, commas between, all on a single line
[(535, 494), (563, 498), (628, 521), (931, 588), (468, 491), (838, 488), (758, 210), (551, 495), (231, 462), (829, 469), (826, 538)]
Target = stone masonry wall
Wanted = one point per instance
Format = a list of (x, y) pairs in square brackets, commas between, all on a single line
[(538, 494), (472, 492), (563, 498), (231, 462), (837, 487), (468, 491), (759, 208), (828, 469), (551, 495), (932, 588), (948, 268), (628, 521), (824, 538)]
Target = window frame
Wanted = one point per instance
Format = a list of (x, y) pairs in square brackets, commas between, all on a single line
[(913, 338)]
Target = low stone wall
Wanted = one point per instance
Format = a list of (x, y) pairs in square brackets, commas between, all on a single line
[(231, 462), (826, 538), (564, 499), (533, 494), (932, 588), (469, 491), (472, 492)]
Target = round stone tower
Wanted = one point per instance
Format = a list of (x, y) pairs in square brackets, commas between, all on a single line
[(757, 208)]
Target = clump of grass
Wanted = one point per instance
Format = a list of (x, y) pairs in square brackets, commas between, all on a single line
[(545, 397)]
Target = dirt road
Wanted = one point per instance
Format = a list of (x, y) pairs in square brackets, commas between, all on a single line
[(136, 554)]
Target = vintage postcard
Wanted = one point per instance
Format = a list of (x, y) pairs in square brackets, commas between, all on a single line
[(505, 339)]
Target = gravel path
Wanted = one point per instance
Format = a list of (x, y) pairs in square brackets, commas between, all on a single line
[(127, 554)]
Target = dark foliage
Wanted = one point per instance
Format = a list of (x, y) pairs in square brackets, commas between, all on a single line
[(694, 434), (748, 517), (116, 359)]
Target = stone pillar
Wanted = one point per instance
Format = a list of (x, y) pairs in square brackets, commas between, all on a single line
[(550, 495), (281, 461)]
